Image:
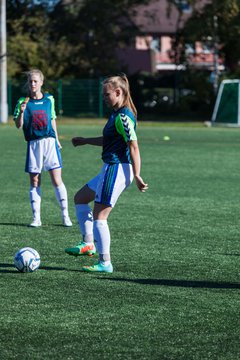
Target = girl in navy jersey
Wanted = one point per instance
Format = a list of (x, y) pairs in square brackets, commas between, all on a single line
[(36, 115), (121, 157)]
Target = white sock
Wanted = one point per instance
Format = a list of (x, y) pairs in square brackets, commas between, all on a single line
[(35, 199), (62, 199), (102, 238), (85, 221)]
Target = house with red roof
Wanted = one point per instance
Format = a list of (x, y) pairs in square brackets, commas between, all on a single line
[(152, 51)]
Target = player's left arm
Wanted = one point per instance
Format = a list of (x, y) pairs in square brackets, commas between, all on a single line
[(125, 127), (53, 119), (54, 125), (136, 164)]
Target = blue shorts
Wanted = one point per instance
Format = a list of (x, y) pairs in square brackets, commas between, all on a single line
[(111, 182)]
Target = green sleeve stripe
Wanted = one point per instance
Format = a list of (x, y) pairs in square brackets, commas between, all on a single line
[(53, 112), (125, 127), (18, 108)]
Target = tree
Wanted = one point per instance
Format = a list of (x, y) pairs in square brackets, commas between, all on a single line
[(219, 23), (72, 38), (28, 41), (100, 27)]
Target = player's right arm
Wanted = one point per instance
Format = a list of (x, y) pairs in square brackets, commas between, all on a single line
[(19, 112), (78, 141)]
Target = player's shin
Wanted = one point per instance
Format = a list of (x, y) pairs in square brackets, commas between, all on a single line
[(35, 200), (102, 239), (85, 221), (62, 199)]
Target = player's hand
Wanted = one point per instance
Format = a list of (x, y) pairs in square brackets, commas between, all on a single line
[(23, 107), (142, 186), (59, 144), (78, 141)]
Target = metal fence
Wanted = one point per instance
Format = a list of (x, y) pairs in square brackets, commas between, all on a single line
[(74, 98)]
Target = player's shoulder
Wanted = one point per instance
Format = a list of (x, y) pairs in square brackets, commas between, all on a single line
[(21, 99), (126, 114), (48, 96), (126, 111), (19, 103)]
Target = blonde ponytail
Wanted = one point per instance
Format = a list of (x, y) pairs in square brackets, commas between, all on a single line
[(122, 82)]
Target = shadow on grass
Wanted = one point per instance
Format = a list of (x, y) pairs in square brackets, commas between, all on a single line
[(4, 268), (179, 283), (31, 227), (56, 268), (232, 254), (13, 224)]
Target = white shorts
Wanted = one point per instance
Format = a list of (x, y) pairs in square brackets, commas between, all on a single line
[(42, 154), (111, 182)]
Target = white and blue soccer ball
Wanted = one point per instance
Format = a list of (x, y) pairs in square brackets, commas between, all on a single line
[(27, 260)]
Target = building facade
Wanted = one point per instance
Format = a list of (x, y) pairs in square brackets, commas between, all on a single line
[(152, 49)]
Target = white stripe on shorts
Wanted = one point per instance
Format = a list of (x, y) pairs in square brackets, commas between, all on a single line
[(111, 182), (42, 154)]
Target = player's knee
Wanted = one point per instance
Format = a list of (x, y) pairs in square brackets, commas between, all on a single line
[(78, 198), (75, 199), (35, 181)]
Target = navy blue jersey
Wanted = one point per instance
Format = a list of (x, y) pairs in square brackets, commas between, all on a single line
[(118, 131), (38, 116)]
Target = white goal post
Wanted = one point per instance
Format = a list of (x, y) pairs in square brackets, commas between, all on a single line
[(227, 106)]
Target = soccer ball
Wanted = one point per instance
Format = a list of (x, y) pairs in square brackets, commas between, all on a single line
[(27, 260)]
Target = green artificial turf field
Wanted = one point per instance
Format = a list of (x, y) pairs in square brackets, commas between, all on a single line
[(175, 289)]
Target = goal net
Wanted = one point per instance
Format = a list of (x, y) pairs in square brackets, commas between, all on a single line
[(227, 107)]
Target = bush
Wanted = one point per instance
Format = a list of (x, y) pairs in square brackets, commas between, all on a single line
[(184, 93)]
